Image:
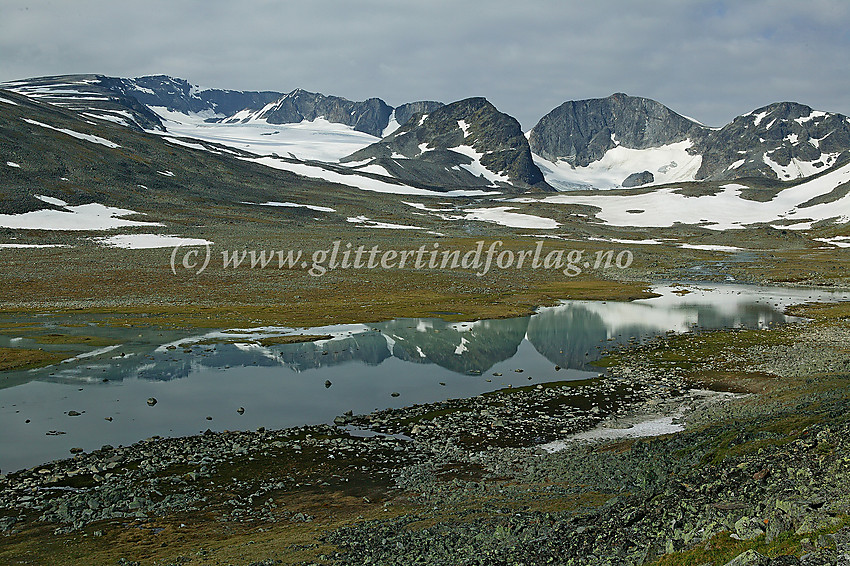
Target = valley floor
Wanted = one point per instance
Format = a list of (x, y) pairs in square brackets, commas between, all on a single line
[(465, 481), (761, 468)]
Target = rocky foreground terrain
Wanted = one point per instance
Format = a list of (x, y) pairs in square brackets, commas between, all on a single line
[(758, 474)]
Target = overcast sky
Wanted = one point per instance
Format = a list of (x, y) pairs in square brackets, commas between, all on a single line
[(709, 60)]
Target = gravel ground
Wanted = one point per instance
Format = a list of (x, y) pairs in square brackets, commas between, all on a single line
[(766, 469)]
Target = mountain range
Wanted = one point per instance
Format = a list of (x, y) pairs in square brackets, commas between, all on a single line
[(617, 141), (136, 133)]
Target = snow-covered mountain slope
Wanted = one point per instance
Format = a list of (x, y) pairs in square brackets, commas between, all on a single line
[(308, 125), (372, 116), (87, 95), (784, 141), (178, 95), (466, 144), (618, 141), (825, 198), (369, 116), (319, 139), (667, 164), (629, 141)]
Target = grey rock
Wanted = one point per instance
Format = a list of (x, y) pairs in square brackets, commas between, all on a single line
[(748, 528), (581, 132), (406, 111), (749, 558), (638, 179)]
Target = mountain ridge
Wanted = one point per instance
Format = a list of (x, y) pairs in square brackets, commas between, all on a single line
[(610, 142)]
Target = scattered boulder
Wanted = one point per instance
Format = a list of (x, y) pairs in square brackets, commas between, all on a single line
[(749, 558), (638, 179)]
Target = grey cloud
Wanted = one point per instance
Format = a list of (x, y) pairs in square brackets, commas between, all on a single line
[(708, 60)]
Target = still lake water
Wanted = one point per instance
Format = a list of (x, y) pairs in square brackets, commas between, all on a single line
[(423, 360)]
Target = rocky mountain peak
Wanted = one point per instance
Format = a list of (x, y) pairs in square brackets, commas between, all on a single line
[(464, 144), (582, 131), (783, 140)]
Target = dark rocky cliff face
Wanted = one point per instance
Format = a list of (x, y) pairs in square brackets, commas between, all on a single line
[(369, 116), (433, 142), (581, 131), (404, 112)]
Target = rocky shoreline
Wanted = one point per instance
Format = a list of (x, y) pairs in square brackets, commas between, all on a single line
[(467, 481)]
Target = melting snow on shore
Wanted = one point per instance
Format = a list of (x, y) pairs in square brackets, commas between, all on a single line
[(654, 426)]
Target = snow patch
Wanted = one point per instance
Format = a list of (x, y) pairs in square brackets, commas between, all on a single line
[(78, 135), (392, 125), (653, 426), (757, 118), (33, 246), (91, 216), (711, 247), (500, 215), (149, 241), (184, 143), (293, 205), (797, 169), (838, 241), (814, 114), (722, 211), (650, 242), (51, 200), (359, 181), (476, 168), (668, 164), (108, 118), (367, 223)]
